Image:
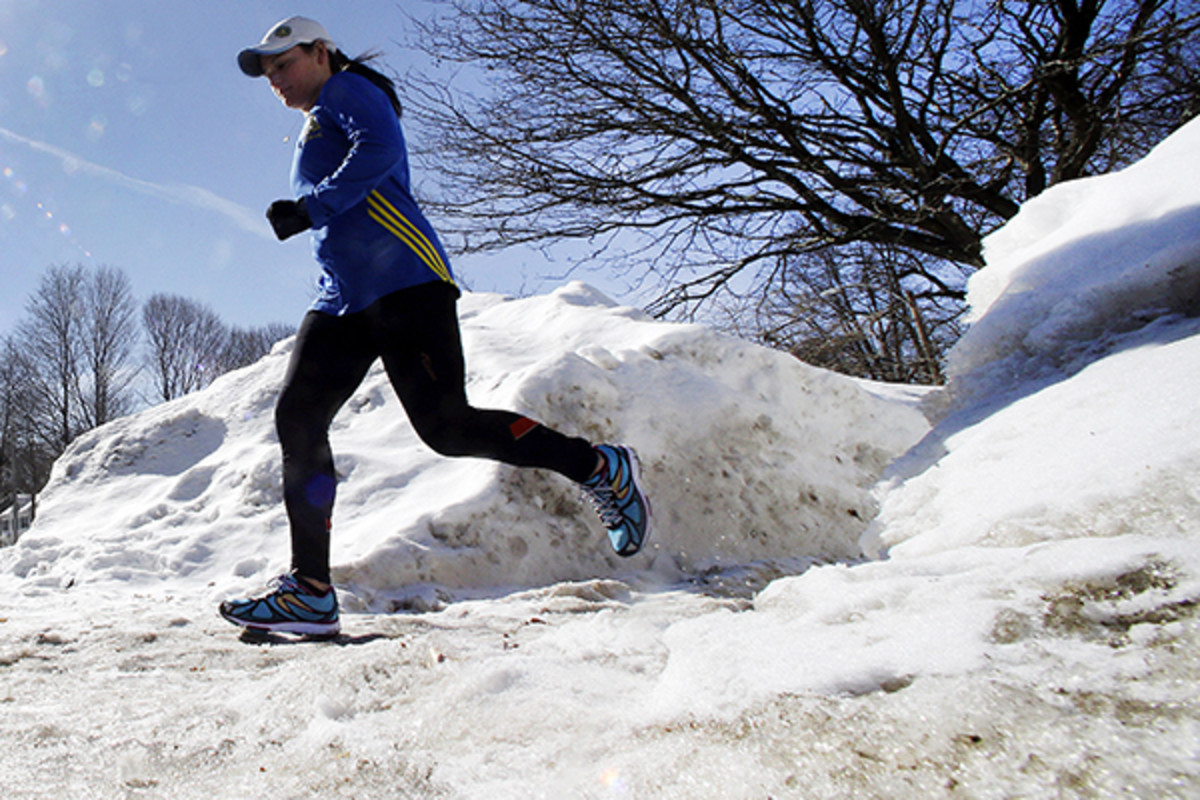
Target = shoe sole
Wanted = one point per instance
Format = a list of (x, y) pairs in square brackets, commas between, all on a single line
[(292, 626), (254, 636)]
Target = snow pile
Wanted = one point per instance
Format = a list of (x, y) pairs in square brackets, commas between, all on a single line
[(751, 458), (1080, 265), (1083, 368), (1029, 627)]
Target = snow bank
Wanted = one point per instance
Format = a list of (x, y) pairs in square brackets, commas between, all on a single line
[(1071, 393), (750, 457), (1083, 262)]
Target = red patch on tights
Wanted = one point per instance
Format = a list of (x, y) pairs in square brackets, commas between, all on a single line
[(522, 426)]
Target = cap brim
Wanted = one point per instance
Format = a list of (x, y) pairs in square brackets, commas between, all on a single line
[(251, 64), (249, 60)]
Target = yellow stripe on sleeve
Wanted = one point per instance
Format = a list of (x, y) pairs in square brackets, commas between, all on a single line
[(386, 215)]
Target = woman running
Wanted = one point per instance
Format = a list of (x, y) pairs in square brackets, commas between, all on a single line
[(386, 291)]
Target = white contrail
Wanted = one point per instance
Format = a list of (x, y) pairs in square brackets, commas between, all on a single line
[(245, 218)]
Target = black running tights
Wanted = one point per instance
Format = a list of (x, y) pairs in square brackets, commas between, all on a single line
[(415, 332)]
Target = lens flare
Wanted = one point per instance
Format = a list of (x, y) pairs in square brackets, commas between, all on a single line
[(9, 213), (611, 778)]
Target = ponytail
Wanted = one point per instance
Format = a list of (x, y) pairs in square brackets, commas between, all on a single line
[(340, 62)]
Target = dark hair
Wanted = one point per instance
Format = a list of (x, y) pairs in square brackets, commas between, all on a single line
[(340, 62)]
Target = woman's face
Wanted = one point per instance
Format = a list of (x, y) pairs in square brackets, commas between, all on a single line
[(297, 75)]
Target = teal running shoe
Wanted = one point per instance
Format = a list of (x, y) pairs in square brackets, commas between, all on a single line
[(290, 607), (619, 500)]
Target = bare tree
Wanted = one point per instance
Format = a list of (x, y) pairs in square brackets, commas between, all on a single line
[(50, 338), (248, 345), (186, 344), (109, 338), (859, 311), (25, 460), (740, 137), (76, 341)]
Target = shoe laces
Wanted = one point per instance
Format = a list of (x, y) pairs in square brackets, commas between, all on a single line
[(286, 582), (604, 501), (289, 583), (274, 585)]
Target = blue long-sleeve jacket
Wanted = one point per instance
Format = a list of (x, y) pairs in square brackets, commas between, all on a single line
[(351, 169)]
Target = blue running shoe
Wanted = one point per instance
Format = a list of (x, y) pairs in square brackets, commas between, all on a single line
[(619, 500), (290, 607)]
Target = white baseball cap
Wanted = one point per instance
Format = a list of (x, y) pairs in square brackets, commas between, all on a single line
[(283, 35)]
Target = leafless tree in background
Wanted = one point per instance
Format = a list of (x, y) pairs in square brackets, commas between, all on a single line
[(25, 458), (186, 341), (67, 368), (737, 149), (110, 336), (50, 338), (248, 345)]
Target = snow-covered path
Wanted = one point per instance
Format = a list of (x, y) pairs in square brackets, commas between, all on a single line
[(591, 690)]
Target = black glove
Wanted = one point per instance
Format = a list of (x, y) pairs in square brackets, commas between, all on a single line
[(288, 217)]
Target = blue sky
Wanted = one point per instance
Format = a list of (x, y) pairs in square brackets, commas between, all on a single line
[(128, 137)]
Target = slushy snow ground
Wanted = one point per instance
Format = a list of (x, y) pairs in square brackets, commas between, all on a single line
[(986, 591)]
